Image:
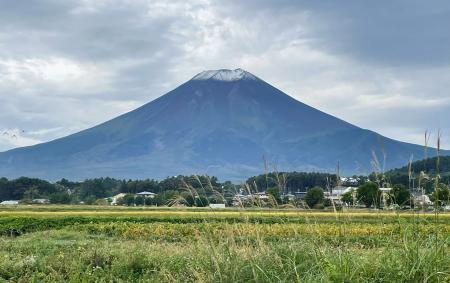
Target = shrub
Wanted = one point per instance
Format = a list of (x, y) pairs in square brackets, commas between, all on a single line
[(149, 201), (314, 196), (139, 200), (102, 201)]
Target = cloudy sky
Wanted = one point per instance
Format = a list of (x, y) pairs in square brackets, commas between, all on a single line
[(69, 65)]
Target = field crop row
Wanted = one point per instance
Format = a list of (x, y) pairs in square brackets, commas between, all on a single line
[(171, 245)]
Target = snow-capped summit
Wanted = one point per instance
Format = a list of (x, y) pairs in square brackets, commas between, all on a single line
[(225, 75)]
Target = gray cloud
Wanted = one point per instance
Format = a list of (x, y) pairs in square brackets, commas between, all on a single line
[(68, 65), (395, 33)]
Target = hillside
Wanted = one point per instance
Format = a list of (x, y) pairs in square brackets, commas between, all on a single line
[(429, 166)]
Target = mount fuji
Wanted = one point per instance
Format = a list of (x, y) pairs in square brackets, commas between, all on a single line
[(220, 123)]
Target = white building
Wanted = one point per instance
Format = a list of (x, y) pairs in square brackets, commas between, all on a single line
[(336, 193), (216, 205), (290, 197), (115, 199), (240, 198), (146, 194), (40, 201), (9, 202), (350, 181), (422, 200)]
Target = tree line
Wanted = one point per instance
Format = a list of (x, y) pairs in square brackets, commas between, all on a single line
[(201, 190), (90, 190)]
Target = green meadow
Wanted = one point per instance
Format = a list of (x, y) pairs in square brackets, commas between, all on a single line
[(109, 244)]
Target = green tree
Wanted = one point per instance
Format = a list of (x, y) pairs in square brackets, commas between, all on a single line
[(369, 194), (201, 201), (189, 198), (127, 199), (149, 201), (139, 200), (90, 200), (348, 197), (400, 194), (164, 198), (314, 197), (60, 197), (441, 195)]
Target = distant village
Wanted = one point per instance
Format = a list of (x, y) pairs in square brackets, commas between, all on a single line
[(343, 194)]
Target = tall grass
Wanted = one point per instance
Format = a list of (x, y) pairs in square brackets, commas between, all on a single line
[(242, 245)]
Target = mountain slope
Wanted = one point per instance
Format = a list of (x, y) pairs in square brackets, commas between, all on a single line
[(220, 123)]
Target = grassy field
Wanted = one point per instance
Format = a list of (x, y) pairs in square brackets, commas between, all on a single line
[(118, 244)]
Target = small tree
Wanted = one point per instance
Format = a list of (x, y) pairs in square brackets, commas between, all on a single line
[(348, 197), (441, 195), (369, 194), (314, 197), (400, 194), (149, 201), (139, 200), (127, 199)]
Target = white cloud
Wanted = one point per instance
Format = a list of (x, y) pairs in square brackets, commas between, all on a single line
[(54, 74), (11, 138), (89, 61)]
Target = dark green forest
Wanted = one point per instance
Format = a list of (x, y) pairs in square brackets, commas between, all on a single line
[(90, 190), (430, 167)]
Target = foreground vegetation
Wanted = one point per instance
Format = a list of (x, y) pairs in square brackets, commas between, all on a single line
[(106, 244)]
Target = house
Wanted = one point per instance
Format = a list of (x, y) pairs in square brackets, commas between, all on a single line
[(238, 199), (350, 181), (146, 194), (216, 205), (300, 194), (261, 196), (115, 199), (336, 193), (241, 198), (40, 201), (422, 200), (9, 202), (290, 197)]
